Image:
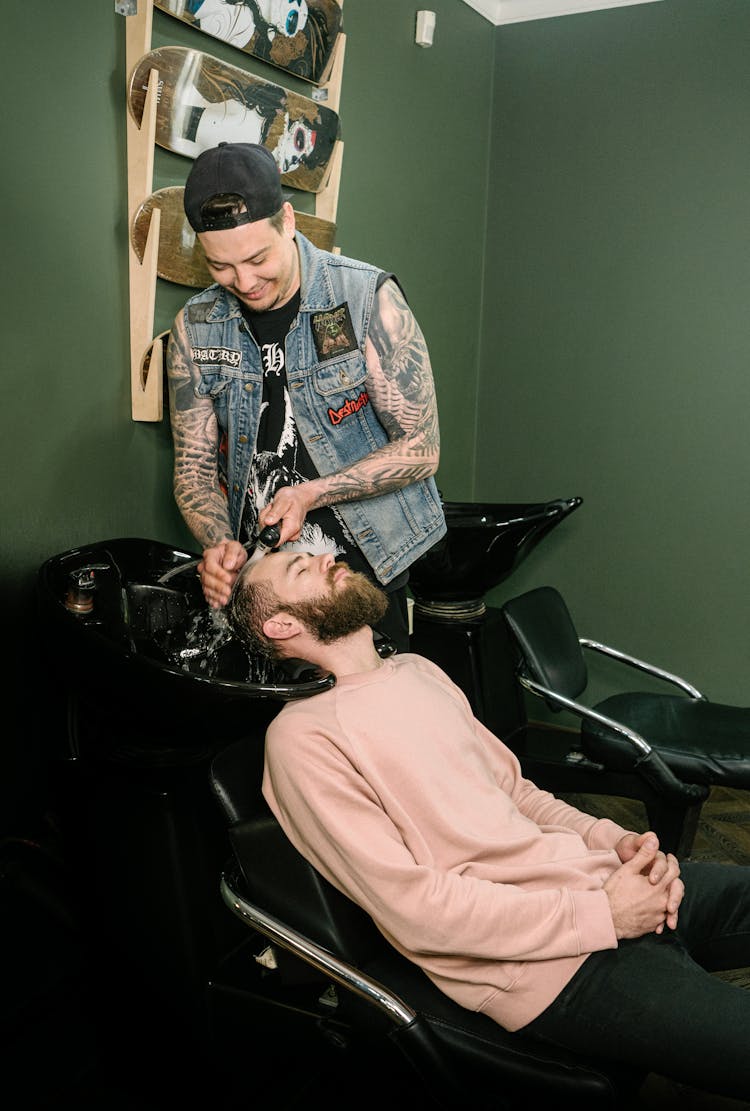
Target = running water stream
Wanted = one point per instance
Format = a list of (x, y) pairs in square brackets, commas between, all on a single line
[(207, 644)]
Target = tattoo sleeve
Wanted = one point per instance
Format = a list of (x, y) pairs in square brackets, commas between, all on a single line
[(402, 392), (195, 432)]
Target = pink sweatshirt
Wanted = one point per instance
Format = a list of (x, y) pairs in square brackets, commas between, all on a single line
[(392, 789)]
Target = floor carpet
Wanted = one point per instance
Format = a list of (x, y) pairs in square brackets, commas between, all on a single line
[(723, 830)]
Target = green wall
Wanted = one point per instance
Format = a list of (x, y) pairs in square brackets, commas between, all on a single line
[(75, 467), (615, 339), (566, 204)]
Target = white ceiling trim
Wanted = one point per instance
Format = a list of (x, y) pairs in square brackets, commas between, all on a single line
[(519, 11)]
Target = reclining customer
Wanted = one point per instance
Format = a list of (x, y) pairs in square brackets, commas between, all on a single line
[(514, 903)]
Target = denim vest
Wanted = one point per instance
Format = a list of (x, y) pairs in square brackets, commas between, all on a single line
[(327, 380)]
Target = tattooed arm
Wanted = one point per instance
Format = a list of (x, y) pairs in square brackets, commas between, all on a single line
[(402, 392), (199, 497)]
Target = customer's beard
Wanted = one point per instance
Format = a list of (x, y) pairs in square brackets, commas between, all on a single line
[(350, 605)]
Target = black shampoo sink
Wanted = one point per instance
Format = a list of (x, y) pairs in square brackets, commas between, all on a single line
[(127, 628), (485, 543)]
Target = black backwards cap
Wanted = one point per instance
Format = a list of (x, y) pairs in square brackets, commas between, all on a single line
[(247, 169)]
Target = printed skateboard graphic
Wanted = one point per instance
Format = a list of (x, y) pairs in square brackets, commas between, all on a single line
[(180, 257), (202, 101), (297, 36)]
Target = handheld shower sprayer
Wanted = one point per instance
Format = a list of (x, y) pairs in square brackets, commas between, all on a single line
[(267, 539)]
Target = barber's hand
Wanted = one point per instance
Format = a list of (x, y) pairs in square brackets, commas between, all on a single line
[(218, 570), (646, 891), (288, 510), (628, 846)]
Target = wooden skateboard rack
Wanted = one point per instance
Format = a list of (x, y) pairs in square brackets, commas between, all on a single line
[(146, 350)]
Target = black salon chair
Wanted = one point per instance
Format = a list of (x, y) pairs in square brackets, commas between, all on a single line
[(350, 982), (667, 749)]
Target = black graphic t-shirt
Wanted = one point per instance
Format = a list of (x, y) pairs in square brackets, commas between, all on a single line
[(280, 457)]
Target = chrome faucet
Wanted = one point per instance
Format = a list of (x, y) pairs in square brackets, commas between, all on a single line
[(81, 586)]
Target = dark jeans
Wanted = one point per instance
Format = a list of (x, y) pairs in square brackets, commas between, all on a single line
[(653, 1001)]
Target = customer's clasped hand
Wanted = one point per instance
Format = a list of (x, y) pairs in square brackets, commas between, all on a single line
[(646, 891)]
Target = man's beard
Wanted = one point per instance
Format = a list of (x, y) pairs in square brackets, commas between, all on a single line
[(348, 606)]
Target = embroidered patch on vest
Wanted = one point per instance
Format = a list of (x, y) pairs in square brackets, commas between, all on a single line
[(333, 333), (197, 314), (216, 356), (351, 405)]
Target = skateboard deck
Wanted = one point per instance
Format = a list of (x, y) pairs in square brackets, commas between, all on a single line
[(297, 36), (180, 257), (202, 101)]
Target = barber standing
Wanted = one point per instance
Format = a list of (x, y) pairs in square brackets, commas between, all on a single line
[(301, 394)]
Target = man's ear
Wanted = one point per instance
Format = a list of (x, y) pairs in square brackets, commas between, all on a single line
[(281, 626)]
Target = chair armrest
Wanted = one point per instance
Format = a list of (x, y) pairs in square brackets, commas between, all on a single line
[(340, 971), (641, 665), (585, 713), (649, 763)]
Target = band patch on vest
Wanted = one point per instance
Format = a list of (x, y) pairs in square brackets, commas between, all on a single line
[(198, 314), (216, 356), (333, 332), (351, 405)]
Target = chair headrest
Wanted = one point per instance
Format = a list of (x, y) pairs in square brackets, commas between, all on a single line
[(545, 635)]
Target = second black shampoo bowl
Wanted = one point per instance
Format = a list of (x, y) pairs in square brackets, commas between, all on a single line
[(484, 544)]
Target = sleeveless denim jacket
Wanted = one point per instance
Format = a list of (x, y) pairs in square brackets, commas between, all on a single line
[(326, 375)]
